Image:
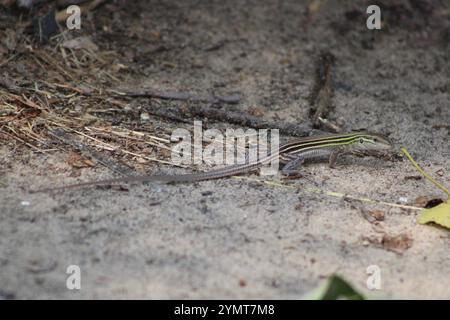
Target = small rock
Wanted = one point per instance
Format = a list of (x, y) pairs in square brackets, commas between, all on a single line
[(145, 117), (25, 203)]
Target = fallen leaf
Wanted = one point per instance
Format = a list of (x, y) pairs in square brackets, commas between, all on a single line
[(398, 243), (427, 201), (77, 161), (255, 111), (439, 215), (421, 201), (333, 289), (377, 214), (433, 203)]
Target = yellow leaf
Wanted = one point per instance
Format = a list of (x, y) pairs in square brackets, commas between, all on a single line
[(439, 214)]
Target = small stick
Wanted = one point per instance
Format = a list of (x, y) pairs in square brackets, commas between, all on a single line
[(172, 95), (329, 193), (441, 126), (238, 118), (61, 135), (23, 141)]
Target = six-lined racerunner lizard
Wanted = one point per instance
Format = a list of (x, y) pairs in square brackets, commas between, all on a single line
[(293, 154)]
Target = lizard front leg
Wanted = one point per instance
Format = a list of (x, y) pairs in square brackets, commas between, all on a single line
[(334, 155)]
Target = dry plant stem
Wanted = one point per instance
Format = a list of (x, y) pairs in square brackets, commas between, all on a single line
[(426, 175), (109, 147), (441, 126), (166, 114), (184, 96), (129, 136), (330, 193), (89, 151), (22, 141), (211, 113), (244, 120), (6, 61)]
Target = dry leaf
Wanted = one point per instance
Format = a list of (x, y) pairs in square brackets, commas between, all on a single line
[(377, 214), (77, 161), (439, 214), (255, 111), (398, 243), (427, 201)]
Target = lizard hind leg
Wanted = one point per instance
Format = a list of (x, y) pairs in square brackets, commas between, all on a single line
[(291, 168)]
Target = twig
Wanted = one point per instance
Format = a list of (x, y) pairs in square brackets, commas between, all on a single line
[(52, 62), (61, 135), (330, 193), (8, 59), (14, 136), (128, 136), (172, 95), (110, 147), (244, 120), (440, 126), (167, 115)]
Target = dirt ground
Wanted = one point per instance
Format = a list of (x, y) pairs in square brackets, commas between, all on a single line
[(230, 238)]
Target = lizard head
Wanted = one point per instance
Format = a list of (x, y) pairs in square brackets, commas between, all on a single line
[(371, 144)]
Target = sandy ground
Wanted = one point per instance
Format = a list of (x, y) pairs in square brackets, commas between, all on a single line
[(237, 238)]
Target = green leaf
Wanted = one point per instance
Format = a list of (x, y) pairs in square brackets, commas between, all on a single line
[(439, 214), (333, 289)]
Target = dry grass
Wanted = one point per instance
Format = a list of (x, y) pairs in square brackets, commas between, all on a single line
[(55, 87)]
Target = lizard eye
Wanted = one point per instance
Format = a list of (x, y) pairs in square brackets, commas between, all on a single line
[(361, 140)]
